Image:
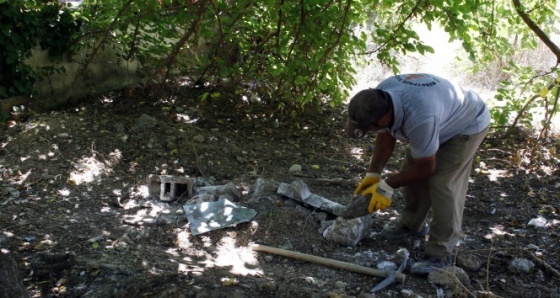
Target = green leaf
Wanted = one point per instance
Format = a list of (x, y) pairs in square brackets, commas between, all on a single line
[(204, 96)]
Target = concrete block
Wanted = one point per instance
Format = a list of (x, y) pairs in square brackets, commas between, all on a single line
[(299, 191), (169, 188)]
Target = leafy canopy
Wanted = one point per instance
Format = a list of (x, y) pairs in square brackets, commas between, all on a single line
[(291, 54)]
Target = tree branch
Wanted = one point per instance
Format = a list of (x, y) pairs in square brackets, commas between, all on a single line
[(537, 30), (81, 71), (179, 45), (397, 29)]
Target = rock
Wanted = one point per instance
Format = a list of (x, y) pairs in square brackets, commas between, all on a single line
[(333, 294), (52, 265), (469, 262), (3, 239), (10, 280), (324, 225), (518, 265), (144, 122), (203, 197), (340, 285), (357, 208), (348, 232), (409, 294), (14, 193), (485, 294), (228, 189), (268, 286), (320, 216), (264, 187), (449, 277), (198, 139), (295, 168)]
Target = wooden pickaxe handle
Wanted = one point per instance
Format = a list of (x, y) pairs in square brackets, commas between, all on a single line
[(327, 262)]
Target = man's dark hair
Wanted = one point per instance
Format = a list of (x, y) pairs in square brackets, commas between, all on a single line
[(368, 106)]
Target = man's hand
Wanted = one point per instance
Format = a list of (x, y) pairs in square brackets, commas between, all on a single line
[(381, 194), (369, 180)]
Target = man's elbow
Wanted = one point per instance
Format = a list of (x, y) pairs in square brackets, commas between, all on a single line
[(429, 170), (426, 166)]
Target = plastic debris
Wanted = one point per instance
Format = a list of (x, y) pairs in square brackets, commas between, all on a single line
[(208, 216), (538, 222)]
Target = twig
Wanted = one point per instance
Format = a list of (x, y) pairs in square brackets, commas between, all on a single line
[(197, 161), (336, 160), (18, 225), (488, 267), (327, 181), (543, 263)]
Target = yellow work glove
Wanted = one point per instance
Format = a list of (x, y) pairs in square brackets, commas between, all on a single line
[(369, 180), (381, 194)]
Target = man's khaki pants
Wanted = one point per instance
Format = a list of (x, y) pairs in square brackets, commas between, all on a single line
[(444, 192)]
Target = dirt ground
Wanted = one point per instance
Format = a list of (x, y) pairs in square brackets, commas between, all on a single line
[(76, 217)]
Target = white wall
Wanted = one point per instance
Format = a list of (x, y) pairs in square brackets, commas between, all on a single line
[(105, 73)]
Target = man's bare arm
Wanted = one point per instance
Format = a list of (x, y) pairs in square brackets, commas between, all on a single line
[(384, 145), (422, 168)]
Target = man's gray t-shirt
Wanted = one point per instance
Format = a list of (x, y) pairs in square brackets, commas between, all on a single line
[(429, 110)]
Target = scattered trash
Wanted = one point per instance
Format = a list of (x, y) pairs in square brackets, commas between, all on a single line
[(29, 238), (416, 243), (18, 113), (387, 266), (209, 216), (538, 222)]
